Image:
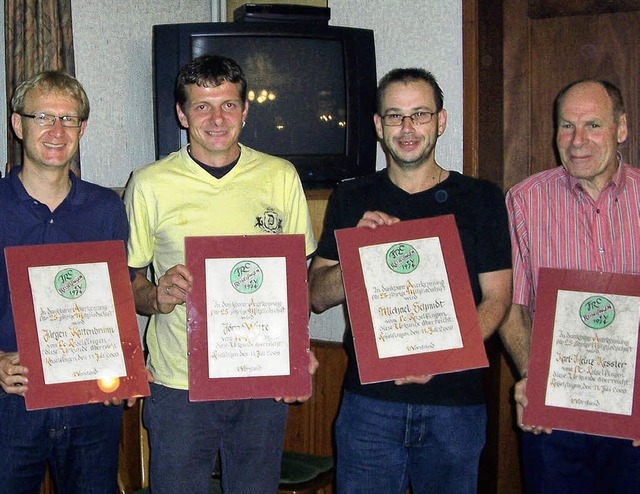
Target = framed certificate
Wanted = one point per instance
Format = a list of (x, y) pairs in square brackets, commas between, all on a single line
[(410, 302), (247, 317), (584, 353), (75, 323)]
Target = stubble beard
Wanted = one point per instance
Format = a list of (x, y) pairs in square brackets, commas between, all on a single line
[(409, 165)]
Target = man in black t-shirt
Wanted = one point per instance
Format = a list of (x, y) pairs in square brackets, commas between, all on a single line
[(422, 430)]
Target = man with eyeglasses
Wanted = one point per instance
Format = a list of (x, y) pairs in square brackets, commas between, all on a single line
[(42, 202), (422, 430)]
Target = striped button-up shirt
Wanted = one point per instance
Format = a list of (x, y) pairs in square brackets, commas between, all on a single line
[(555, 223)]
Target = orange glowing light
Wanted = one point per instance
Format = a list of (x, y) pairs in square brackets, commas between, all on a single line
[(109, 384)]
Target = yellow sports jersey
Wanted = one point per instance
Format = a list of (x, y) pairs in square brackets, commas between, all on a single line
[(174, 197)]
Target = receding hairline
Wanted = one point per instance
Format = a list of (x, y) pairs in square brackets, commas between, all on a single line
[(613, 94)]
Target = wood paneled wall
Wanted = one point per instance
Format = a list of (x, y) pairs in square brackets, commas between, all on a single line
[(309, 428)]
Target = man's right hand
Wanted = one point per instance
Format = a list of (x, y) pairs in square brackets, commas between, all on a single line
[(171, 290), (374, 219), (12, 375), (173, 287), (520, 396)]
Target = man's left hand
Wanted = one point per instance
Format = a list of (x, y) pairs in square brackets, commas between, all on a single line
[(313, 367), (423, 379), (116, 402)]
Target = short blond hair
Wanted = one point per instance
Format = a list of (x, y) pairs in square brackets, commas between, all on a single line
[(51, 81)]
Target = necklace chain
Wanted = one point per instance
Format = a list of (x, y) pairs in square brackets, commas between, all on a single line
[(439, 176)]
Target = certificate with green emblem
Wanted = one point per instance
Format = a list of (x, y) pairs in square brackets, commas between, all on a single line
[(584, 353), (248, 316), (410, 302), (75, 321)]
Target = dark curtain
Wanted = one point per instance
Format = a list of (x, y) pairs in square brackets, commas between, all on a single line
[(38, 36)]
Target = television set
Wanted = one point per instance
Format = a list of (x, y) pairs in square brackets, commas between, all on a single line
[(311, 91)]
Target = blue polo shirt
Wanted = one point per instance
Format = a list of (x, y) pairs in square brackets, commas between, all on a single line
[(89, 213)]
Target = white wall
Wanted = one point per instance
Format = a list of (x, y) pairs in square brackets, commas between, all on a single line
[(113, 61), (426, 33), (112, 42)]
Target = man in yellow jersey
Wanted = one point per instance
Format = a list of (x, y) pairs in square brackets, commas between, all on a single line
[(212, 186)]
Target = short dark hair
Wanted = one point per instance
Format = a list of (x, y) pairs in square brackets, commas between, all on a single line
[(409, 75), (55, 81), (209, 70), (612, 90)]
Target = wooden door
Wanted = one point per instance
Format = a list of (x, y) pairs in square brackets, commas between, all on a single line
[(550, 43)]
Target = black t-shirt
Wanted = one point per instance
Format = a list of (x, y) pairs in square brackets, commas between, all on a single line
[(480, 213)]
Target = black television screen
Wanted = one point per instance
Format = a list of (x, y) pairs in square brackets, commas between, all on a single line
[(294, 106), (311, 91)]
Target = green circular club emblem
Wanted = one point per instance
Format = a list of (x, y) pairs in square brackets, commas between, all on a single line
[(246, 277), (70, 283), (597, 312), (402, 258)]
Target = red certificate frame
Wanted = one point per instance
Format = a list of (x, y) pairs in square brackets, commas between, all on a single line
[(371, 367), (41, 395), (298, 381), (550, 282)]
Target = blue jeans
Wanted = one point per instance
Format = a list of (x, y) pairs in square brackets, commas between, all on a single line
[(569, 463), (385, 446), (79, 443), (185, 438)]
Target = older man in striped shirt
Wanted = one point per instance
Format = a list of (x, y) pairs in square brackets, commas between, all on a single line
[(583, 215)]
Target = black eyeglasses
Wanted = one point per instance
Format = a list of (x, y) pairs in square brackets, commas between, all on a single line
[(46, 120), (419, 118)]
